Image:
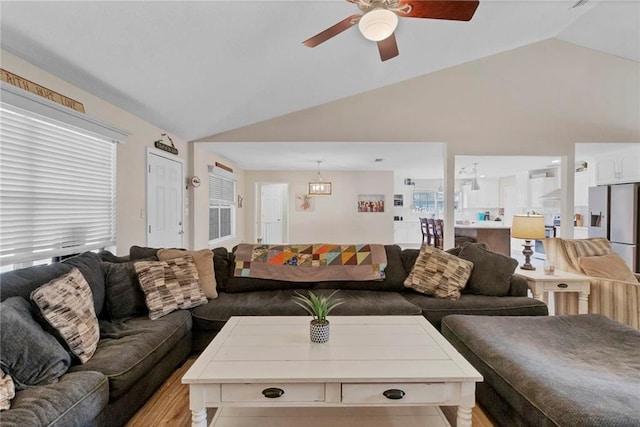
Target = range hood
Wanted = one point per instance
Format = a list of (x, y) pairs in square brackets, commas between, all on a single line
[(553, 195)]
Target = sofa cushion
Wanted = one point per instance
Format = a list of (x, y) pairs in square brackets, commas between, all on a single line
[(576, 248), (434, 309), (557, 370), (107, 256), (222, 267), (28, 353), (141, 252), (66, 304), (492, 271), (438, 273), (128, 350), (24, 281), (215, 313), (393, 280), (203, 260), (75, 400), (169, 285), (609, 266), (124, 297)]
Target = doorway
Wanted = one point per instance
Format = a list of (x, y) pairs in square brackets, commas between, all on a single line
[(165, 213), (272, 215)]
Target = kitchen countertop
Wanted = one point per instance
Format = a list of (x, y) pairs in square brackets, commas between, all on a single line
[(499, 225)]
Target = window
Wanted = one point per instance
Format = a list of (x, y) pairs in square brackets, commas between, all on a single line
[(432, 201), (57, 187), (222, 195)]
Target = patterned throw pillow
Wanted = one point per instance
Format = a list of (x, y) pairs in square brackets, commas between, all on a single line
[(204, 264), (66, 304), (7, 391), (438, 273), (170, 285)]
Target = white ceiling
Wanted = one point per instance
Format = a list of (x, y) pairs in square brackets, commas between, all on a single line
[(198, 68)]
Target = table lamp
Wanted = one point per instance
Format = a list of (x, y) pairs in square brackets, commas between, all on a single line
[(528, 227)]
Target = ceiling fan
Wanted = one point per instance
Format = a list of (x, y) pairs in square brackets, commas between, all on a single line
[(380, 18)]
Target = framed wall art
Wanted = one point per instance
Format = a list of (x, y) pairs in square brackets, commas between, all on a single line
[(373, 203)]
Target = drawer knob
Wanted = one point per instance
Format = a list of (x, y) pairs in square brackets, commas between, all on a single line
[(563, 285), (394, 394), (272, 392)]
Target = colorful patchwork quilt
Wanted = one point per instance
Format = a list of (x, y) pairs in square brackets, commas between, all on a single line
[(311, 263)]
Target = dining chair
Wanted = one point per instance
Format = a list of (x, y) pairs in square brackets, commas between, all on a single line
[(439, 233), (426, 234)]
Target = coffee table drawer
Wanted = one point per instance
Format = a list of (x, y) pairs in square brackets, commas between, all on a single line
[(396, 393), (272, 393)]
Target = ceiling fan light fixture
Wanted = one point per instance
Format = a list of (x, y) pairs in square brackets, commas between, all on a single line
[(378, 24)]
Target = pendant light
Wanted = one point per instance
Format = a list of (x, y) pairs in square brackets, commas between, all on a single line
[(319, 187)]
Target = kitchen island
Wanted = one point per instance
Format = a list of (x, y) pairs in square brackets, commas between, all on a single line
[(494, 234)]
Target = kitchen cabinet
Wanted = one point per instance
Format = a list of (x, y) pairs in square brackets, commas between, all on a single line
[(623, 166), (580, 232), (487, 197), (522, 191), (407, 232), (538, 187)]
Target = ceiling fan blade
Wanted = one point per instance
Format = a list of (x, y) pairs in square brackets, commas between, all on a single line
[(388, 47), (455, 10), (341, 26)]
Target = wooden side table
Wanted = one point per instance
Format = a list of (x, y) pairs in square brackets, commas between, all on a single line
[(560, 281)]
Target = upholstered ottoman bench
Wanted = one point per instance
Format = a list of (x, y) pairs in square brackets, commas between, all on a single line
[(580, 370)]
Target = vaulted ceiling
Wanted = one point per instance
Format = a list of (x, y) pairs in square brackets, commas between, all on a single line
[(199, 68)]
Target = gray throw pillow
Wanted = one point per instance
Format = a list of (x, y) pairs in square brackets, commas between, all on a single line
[(142, 253), (491, 273), (124, 296), (29, 354)]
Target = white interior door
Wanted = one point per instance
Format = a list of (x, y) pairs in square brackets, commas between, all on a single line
[(273, 216), (165, 212)]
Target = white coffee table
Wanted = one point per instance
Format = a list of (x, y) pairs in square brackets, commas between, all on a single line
[(254, 359)]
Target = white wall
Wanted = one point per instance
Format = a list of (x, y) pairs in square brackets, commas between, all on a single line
[(131, 156), (335, 218), (537, 99)]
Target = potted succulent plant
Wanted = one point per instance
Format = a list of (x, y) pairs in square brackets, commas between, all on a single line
[(318, 307)]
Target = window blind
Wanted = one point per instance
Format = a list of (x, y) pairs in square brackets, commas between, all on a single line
[(221, 190), (221, 203), (57, 188)]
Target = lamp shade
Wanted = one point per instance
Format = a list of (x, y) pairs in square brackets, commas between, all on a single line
[(378, 24), (528, 227)]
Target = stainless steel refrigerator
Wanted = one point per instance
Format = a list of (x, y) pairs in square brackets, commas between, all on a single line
[(599, 211), (623, 223), (614, 213)]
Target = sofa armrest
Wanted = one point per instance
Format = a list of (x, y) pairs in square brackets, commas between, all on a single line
[(518, 286)]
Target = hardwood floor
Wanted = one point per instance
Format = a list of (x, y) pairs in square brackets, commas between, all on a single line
[(169, 406)]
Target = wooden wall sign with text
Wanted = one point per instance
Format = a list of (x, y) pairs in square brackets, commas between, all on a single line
[(42, 91)]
